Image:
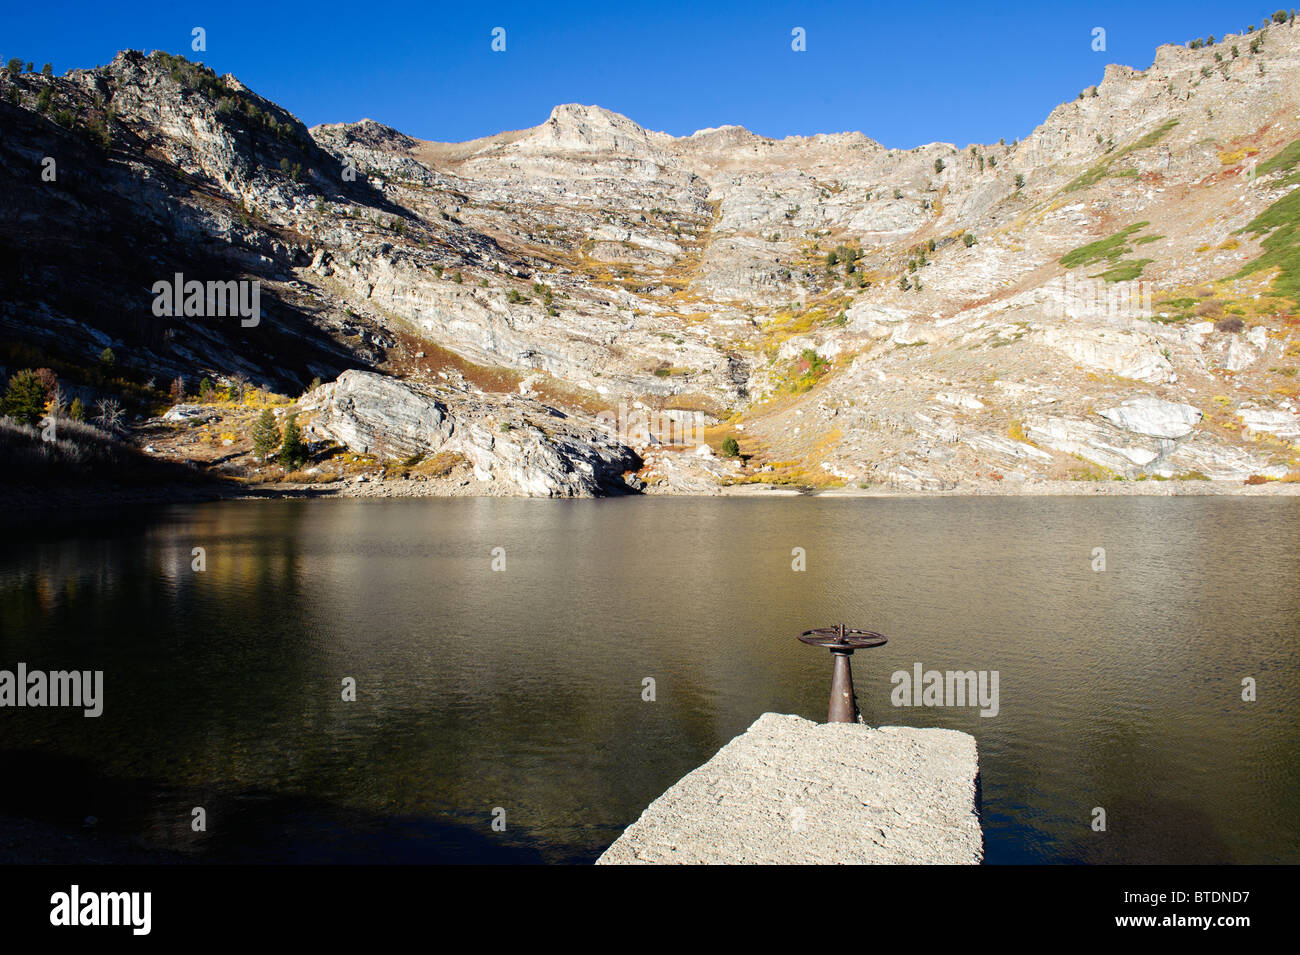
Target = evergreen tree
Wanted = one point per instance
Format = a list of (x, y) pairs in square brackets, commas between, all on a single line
[(24, 399), (293, 452), (266, 435)]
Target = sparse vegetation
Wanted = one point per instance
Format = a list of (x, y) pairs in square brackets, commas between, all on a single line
[(1110, 248), (1279, 224), (1125, 271), (810, 367), (1104, 168), (78, 451)]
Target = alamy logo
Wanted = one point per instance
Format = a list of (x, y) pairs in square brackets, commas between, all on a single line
[(75, 907), (75, 688), (1071, 297), (638, 426), (946, 688), (194, 299)]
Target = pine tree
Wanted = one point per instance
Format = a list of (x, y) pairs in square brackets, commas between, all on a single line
[(266, 436), (24, 399), (293, 452)]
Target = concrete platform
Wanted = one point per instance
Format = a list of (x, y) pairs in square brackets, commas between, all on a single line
[(788, 790)]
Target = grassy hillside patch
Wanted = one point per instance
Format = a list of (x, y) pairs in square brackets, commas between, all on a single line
[(1280, 224), (1284, 161), (1149, 140), (1125, 271), (1108, 249), (1089, 177), (806, 371), (1105, 168)]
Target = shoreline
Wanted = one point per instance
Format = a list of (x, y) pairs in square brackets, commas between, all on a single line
[(24, 504)]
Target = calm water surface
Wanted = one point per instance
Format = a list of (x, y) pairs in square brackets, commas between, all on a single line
[(521, 689)]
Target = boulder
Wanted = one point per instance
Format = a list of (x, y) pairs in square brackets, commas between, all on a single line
[(373, 414), (1153, 417)]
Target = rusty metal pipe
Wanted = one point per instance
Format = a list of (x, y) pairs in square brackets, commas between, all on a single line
[(842, 641), (844, 707)]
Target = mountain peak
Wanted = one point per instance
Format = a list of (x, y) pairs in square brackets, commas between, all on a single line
[(591, 128)]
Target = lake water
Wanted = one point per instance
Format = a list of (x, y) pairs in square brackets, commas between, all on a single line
[(522, 688)]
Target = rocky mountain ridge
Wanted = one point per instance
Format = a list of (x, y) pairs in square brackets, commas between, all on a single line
[(1115, 297)]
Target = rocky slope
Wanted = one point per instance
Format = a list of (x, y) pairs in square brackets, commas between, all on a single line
[(577, 307)]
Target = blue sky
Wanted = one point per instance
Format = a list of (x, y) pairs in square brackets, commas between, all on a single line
[(904, 74)]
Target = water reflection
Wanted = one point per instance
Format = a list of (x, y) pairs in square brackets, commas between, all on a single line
[(522, 689)]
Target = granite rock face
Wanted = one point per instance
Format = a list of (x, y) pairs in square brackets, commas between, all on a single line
[(370, 413), (788, 790), (503, 440), (1154, 417)]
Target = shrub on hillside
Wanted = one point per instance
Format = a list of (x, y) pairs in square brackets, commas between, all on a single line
[(76, 450)]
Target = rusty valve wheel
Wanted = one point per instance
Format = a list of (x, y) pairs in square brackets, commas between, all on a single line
[(841, 642)]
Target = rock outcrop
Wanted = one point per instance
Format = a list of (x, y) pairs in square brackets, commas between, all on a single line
[(1154, 417), (790, 791), (371, 414)]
